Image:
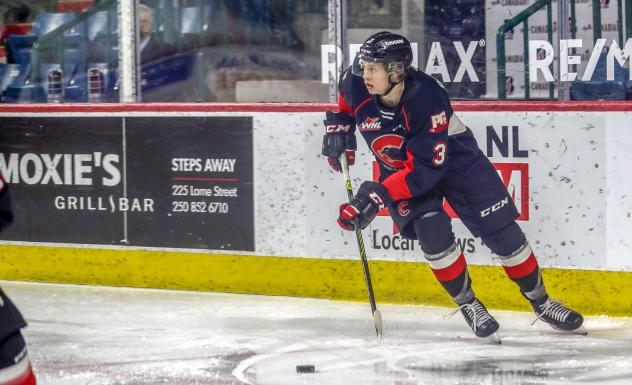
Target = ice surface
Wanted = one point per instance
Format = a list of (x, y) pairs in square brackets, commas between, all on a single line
[(82, 335)]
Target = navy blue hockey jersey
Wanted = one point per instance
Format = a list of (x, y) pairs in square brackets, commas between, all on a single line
[(415, 142)]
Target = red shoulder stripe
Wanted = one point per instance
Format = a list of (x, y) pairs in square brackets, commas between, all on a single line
[(343, 106), (361, 104), (406, 119)]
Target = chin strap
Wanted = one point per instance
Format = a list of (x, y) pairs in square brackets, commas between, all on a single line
[(391, 86)]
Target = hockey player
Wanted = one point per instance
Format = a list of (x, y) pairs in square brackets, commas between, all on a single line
[(425, 154), (15, 367)]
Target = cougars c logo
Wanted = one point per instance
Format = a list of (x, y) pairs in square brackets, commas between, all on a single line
[(402, 208), (389, 149)]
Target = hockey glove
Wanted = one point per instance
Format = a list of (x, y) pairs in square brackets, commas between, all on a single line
[(339, 138), (369, 200)]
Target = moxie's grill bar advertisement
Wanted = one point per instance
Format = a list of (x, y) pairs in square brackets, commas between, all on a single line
[(181, 182)]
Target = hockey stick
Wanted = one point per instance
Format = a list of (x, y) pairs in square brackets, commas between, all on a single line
[(377, 316)]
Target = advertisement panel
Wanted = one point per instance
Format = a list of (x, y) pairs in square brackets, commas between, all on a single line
[(66, 178), (178, 182), (221, 198), (559, 169), (201, 169), (255, 183)]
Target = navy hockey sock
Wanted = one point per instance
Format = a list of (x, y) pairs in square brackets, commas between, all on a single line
[(450, 268)]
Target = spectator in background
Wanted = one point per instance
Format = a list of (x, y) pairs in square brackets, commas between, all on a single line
[(15, 21), (151, 47), (163, 77), (17, 13)]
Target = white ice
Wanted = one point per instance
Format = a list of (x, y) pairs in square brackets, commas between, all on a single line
[(83, 335)]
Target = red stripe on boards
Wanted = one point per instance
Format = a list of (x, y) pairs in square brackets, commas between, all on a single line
[(166, 107), (475, 106), (522, 270), (451, 272)]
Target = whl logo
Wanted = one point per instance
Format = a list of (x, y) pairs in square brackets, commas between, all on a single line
[(371, 124)]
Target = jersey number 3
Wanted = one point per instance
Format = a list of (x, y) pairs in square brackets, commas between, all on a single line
[(439, 150)]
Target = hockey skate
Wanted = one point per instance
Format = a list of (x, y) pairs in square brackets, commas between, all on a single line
[(558, 316), (479, 319)]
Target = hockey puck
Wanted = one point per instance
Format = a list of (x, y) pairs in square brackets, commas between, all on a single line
[(305, 369)]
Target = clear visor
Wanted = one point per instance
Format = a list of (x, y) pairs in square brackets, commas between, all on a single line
[(359, 64)]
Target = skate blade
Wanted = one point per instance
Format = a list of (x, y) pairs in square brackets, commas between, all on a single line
[(377, 320), (495, 338)]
